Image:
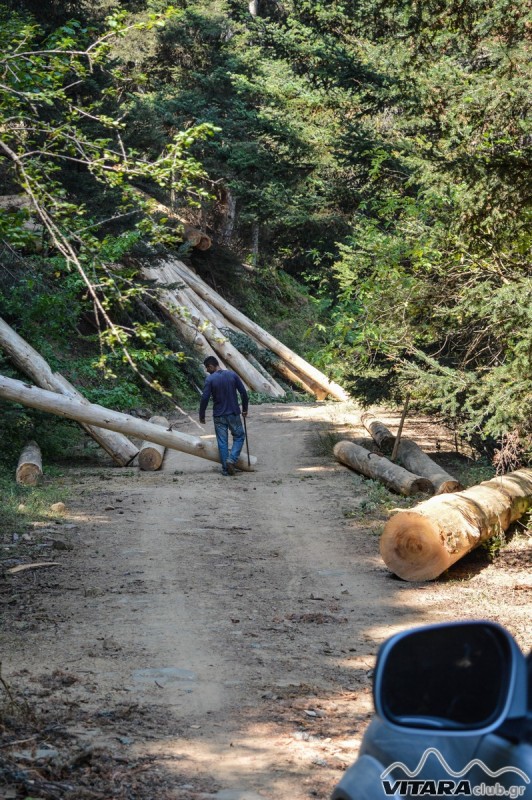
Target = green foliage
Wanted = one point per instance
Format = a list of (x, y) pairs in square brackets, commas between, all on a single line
[(64, 81), (22, 505), (376, 150)]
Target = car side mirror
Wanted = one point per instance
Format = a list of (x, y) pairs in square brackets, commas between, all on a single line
[(463, 677)]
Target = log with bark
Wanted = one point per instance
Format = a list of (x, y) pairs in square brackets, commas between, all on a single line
[(421, 543), (381, 469), (29, 467), (190, 315), (278, 365), (186, 329), (151, 455), (254, 330), (29, 361), (72, 408), (305, 383), (264, 372), (413, 458), (379, 432)]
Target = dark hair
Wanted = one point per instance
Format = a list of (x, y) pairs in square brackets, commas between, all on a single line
[(211, 361)]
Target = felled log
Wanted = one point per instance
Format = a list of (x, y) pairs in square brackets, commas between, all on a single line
[(413, 458), (421, 543), (378, 431), (381, 469), (29, 361), (72, 408), (29, 467), (264, 372), (307, 384), (189, 314), (151, 455), (279, 366), (251, 328), (186, 328)]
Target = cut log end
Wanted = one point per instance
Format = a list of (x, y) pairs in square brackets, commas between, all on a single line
[(150, 459), (446, 487), (421, 486), (28, 475), (29, 468), (411, 548)]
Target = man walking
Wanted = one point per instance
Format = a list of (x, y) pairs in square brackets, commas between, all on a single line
[(222, 385)]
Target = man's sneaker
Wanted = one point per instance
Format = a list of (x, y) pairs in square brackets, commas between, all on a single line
[(230, 468)]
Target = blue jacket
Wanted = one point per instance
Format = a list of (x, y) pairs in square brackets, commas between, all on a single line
[(222, 386)]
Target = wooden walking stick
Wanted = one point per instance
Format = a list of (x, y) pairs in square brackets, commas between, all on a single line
[(246, 433)]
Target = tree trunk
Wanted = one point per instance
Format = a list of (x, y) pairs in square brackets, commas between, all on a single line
[(413, 458), (420, 544), (29, 468), (258, 366), (29, 361), (378, 431), (305, 383), (151, 455), (230, 216), (254, 330), (279, 366), (186, 329), (255, 237), (379, 468), (254, 8), (72, 408), (215, 338)]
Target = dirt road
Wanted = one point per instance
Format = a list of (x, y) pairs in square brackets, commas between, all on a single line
[(214, 637)]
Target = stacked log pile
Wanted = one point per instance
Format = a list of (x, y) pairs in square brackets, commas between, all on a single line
[(411, 457), (202, 316)]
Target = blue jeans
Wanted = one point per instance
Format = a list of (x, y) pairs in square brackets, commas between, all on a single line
[(222, 426)]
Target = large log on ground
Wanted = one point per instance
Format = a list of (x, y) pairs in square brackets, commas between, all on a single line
[(217, 340), (379, 468), (29, 467), (251, 328), (413, 458), (421, 543), (151, 455), (91, 414), (378, 431), (29, 361)]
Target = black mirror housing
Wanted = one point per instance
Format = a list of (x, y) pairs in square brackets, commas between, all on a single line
[(464, 677)]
